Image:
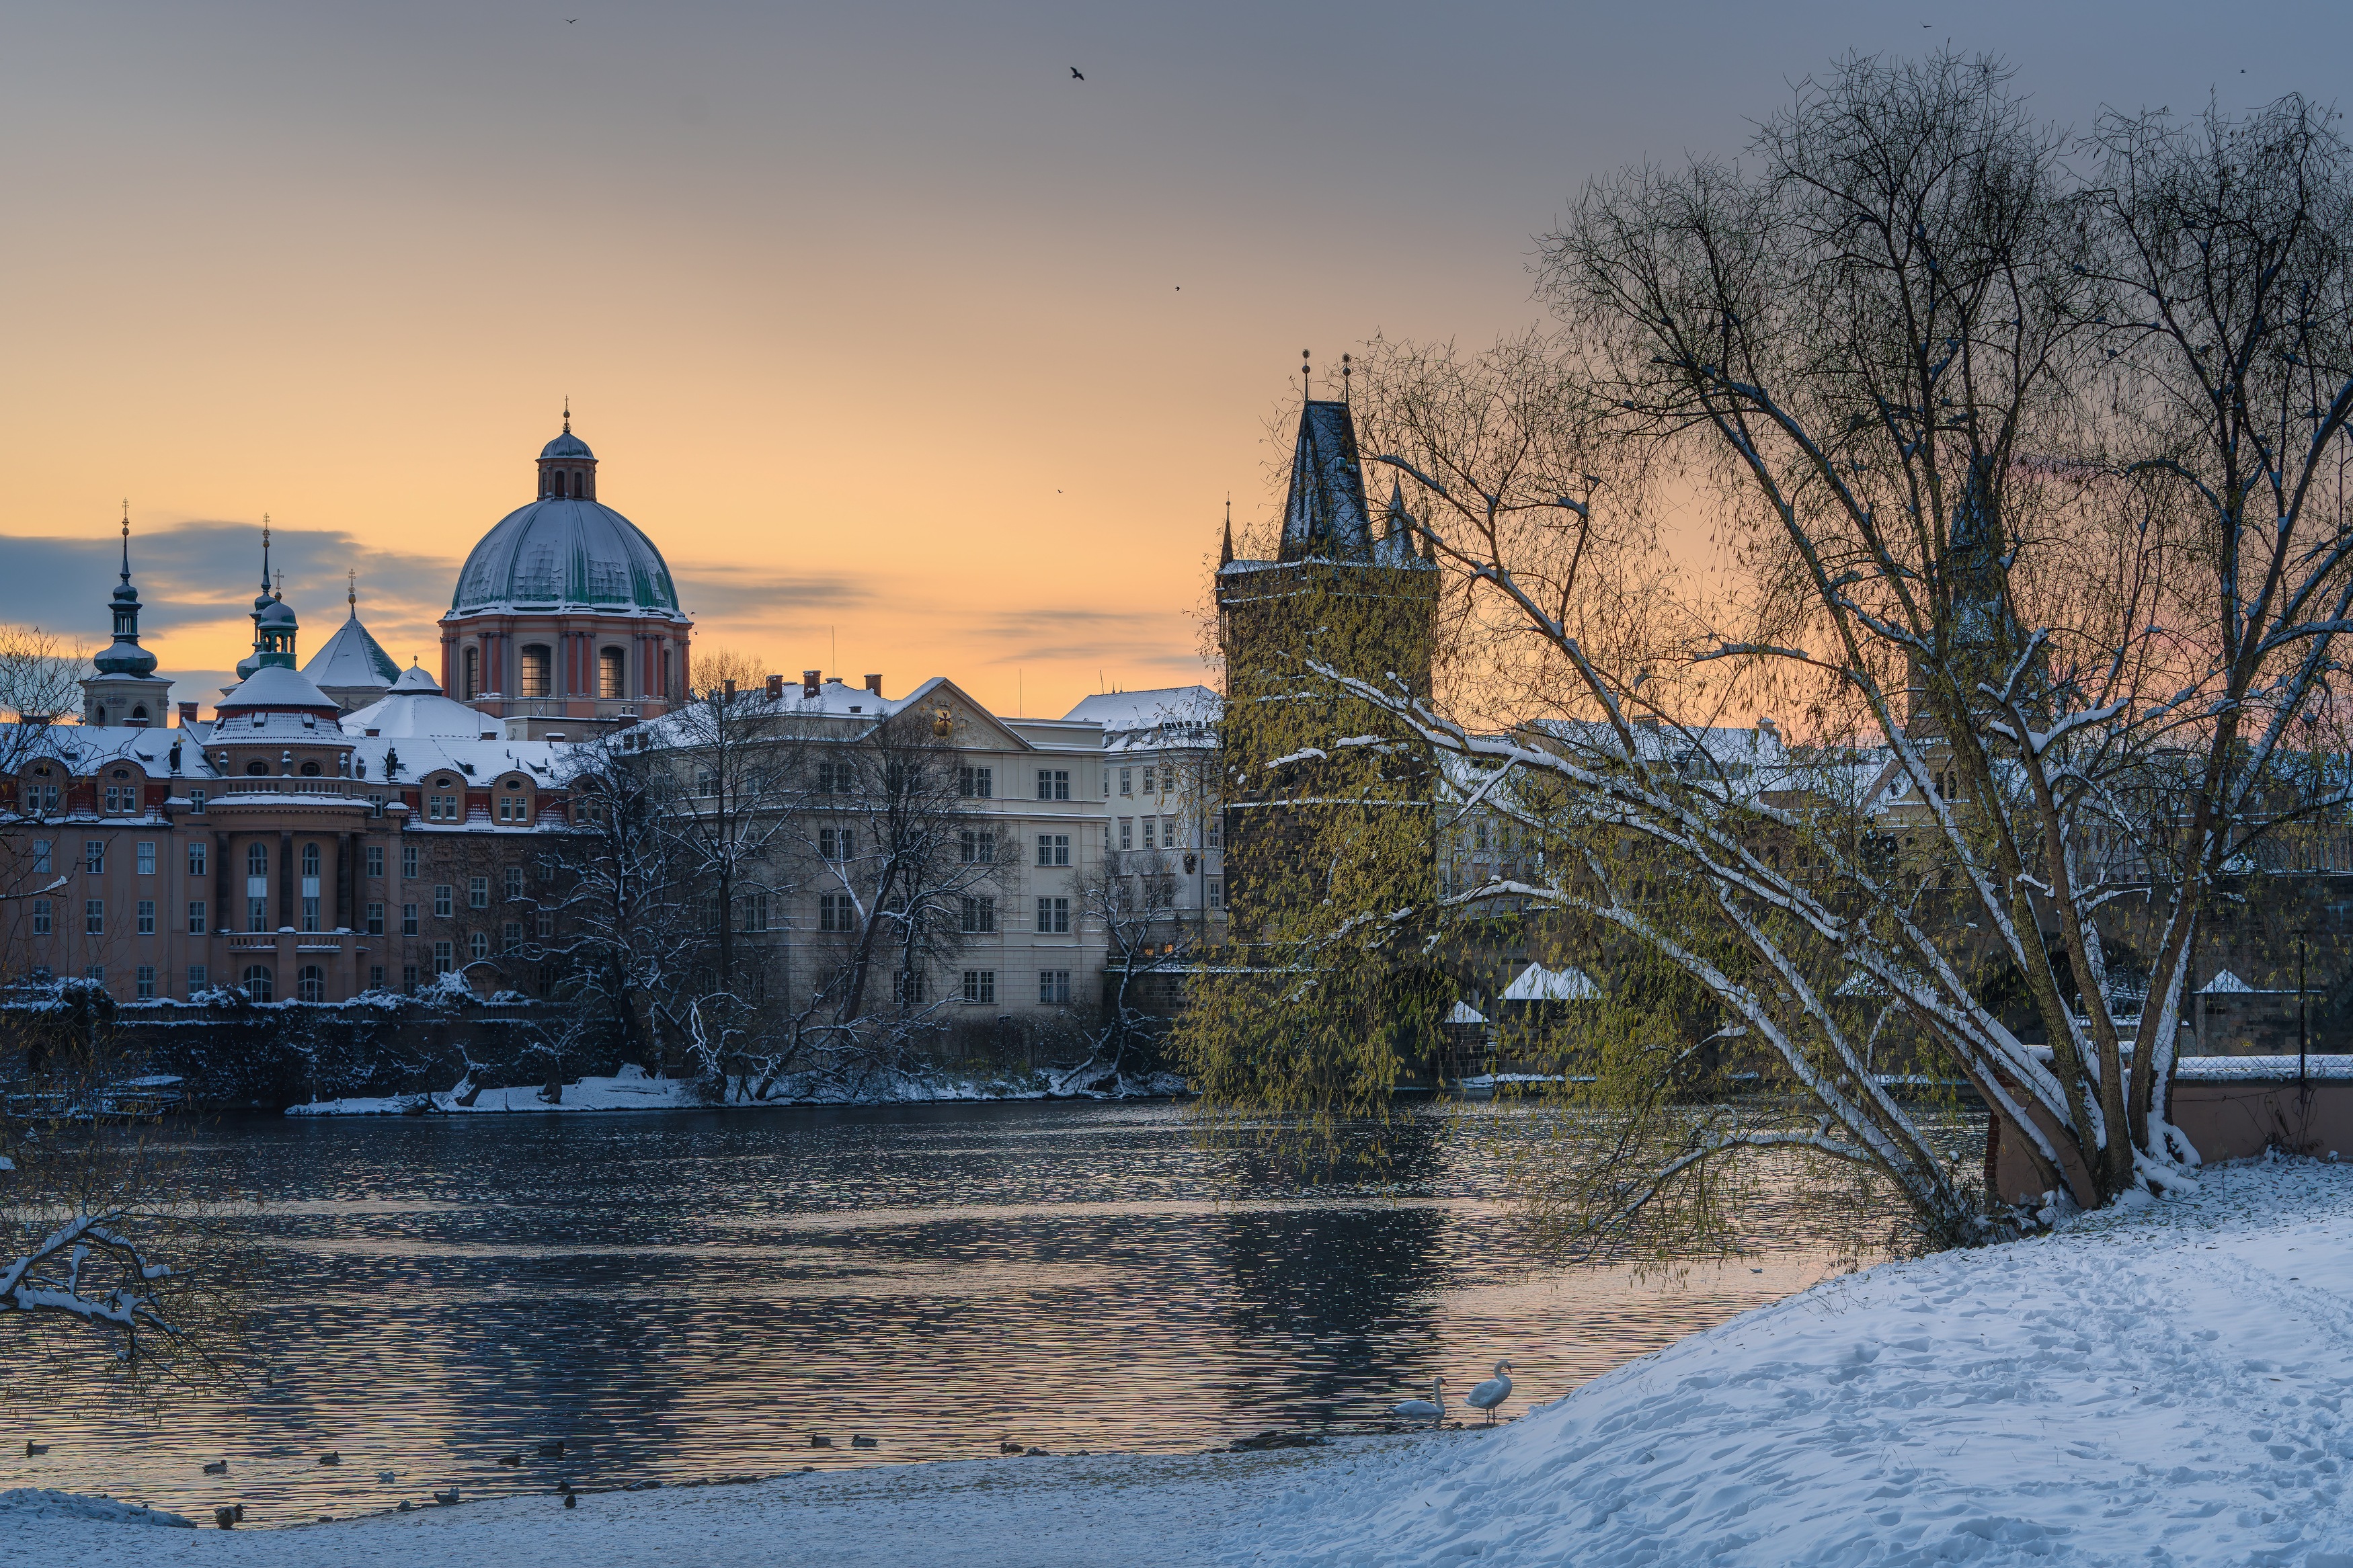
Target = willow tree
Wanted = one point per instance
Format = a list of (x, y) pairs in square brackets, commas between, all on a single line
[(2028, 477)]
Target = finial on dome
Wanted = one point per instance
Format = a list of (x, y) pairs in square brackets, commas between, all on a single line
[(567, 414), (264, 552), (126, 539), (351, 591)]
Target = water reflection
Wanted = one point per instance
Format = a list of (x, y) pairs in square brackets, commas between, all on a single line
[(682, 1297)]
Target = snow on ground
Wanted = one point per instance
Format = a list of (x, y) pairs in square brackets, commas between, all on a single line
[(2162, 1386), (633, 1090)]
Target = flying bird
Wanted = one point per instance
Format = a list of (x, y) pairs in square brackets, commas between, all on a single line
[(1077, 75)]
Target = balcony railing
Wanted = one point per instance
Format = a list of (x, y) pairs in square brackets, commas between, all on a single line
[(230, 788)]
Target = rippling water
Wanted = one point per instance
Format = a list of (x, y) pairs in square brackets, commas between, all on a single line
[(688, 1296)]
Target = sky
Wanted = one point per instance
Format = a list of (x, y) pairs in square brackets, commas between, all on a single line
[(911, 351)]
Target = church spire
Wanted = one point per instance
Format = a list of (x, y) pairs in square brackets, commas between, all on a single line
[(1226, 555), (124, 655)]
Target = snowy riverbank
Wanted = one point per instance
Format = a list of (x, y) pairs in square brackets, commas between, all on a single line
[(2164, 1385), (634, 1090)]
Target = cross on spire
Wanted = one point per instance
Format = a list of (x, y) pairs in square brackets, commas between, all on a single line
[(126, 539)]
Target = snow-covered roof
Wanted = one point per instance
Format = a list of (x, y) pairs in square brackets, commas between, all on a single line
[(416, 708), (2226, 984), (1165, 716), (1537, 984), (1465, 1014), (275, 687), (84, 748), (352, 659), (479, 762)]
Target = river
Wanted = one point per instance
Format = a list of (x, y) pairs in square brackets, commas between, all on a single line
[(688, 1296)]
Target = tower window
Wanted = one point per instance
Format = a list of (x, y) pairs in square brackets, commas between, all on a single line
[(536, 664), (576, 478), (612, 675), (470, 682)]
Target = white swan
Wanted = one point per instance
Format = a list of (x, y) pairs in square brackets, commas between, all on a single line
[(1424, 1409), (1487, 1396)]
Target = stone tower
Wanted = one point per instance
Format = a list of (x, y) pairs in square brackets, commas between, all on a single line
[(125, 688), (1307, 823)]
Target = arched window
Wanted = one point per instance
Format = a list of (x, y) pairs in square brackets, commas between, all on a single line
[(310, 859), (257, 769), (612, 675), (309, 770), (537, 661), (257, 986), (256, 860), (139, 714), (576, 478), (311, 986), (471, 683), (667, 689)]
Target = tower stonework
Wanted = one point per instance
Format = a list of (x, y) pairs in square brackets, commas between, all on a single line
[(1307, 823)]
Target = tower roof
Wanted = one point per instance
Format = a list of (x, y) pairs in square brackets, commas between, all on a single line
[(1324, 516), (352, 658)]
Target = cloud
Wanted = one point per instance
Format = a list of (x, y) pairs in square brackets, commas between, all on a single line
[(195, 574), (1158, 640), (714, 592)]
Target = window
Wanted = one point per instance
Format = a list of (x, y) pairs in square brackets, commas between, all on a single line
[(41, 856), (256, 860), (146, 857), (545, 923), (375, 800), (706, 783), (975, 784), (1126, 782), (511, 937), (1053, 987), (1216, 832), (196, 978), (478, 892), (195, 917), (93, 916), (755, 913), (1216, 893), (836, 778), (837, 842), (1053, 784), (197, 807), (40, 916), (1054, 917), (834, 912), (535, 666), (309, 770), (93, 855), (612, 675), (375, 859), (311, 986), (906, 989), (979, 914), (976, 847), (980, 985), (1168, 833), (121, 797), (444, 958), (408, 977), (146, 917), (470, 685), (1053, 849), (408, 920), (257, 769), (444, 900), (514, 882), (258, 984), (441, 807), (512, 808), (1147, 833), (195, 859), (478, 946), (376, 976), (408, 860), (310, 859), (374, 920), (1149, 787)]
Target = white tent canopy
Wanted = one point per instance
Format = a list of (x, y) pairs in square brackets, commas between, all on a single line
[(1537, 984)]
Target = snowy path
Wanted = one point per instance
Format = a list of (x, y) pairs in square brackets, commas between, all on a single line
[(2163, 1387)]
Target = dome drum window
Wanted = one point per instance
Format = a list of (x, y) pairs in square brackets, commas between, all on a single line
[(612, 675), (538, 663)]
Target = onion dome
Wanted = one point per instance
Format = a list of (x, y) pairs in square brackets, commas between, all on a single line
[(124, 655)]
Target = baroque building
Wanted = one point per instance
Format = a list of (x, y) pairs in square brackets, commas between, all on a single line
[(564, 623)]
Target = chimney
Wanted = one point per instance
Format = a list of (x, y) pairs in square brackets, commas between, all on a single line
[(874, 684), (730, 691), (188, 715), (809, 682), (775, 687)]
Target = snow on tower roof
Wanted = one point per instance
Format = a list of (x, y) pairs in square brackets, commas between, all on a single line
[(1326, 515), (351, 658), (1537, 984)]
